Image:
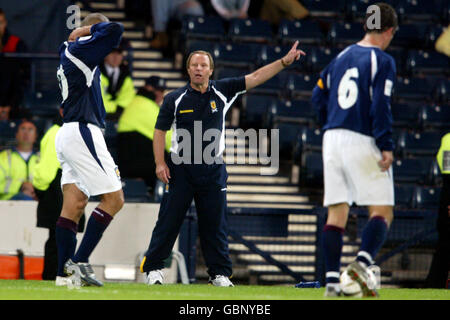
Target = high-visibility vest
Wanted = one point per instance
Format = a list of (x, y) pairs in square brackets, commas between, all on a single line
[(47, 168), (123, 96), (14, 171), (140, 116), (443, 155)]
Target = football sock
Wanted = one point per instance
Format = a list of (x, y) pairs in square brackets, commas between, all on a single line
[(332, 246), (372, 239), (66, 241), (97, 224)]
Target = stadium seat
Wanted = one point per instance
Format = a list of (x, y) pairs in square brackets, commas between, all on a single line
[(252, 30), (221, 73), (412, 89), (441, 92), (296, 111), (7, 133), (325, 8), (256, 107), (413, 10), (194, 45), (301, 86), (411, 170), (270, 53), (427, 62), (405, 115), (43, 103), (404, 195), (432, 34), (236, 54), (311, 139), (399, 55), (311, 170), (410, 36), (435, 116), (419, 144), (345, 33), (288, 135), (356, 9), (274, 86), (195, 27), (426, 197), (319, 58), (305, 31), (135, 190), (435, 176)]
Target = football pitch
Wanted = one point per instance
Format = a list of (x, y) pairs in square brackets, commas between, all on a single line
[(46, 290)]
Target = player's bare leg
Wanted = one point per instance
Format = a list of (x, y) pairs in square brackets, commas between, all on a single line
[(338, 215), (74, 202), (386, 212), (112, 202)]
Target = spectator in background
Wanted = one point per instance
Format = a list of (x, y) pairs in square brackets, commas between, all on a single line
[(17, 165), (165, 10), (12, 72), (439, 271), (135, 133), (47, 186), (229, 9), (116, 82), (276, 10)]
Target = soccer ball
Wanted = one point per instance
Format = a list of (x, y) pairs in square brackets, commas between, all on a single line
[(350, 287)]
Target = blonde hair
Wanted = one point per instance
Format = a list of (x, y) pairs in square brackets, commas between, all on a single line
[(93, 18), (206, 53)]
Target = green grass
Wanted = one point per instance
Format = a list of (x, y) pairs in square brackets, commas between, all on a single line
[(46, 290)]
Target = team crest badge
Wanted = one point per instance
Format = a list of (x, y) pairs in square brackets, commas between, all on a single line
[(213, 106)]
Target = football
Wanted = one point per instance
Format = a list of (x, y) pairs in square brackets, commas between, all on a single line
[(350, 287)]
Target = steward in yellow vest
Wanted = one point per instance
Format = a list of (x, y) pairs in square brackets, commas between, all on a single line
[(439, 271), (116, 83), (135, 132), (17, 165)]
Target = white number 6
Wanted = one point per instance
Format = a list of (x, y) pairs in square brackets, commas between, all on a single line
[(348, 89)]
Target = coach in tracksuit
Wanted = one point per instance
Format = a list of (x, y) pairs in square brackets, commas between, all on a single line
[(204, 102)]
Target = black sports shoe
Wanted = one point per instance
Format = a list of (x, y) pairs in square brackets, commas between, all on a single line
[(84, 271)]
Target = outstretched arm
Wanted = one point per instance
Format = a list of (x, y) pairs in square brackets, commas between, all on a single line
[(263, 74)]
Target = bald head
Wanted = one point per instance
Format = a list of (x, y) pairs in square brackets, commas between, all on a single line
[(93, 18)]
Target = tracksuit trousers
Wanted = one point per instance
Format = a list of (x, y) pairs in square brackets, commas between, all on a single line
[(206, 185)]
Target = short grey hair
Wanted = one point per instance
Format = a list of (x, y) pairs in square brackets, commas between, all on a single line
[(93, 18)]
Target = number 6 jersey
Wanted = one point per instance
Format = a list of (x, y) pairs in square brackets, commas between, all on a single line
[(354, 92)]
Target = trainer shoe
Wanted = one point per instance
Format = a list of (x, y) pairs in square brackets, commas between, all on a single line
[(220, 281), (155, 277), (84, 271), (361, 275), (332, 291)]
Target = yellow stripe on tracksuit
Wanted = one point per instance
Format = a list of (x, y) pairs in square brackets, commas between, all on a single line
[(320, 83), (141, 267)]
